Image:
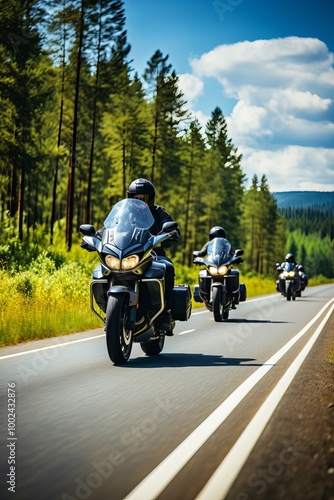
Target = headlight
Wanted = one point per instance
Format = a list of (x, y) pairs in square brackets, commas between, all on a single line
[(289, 274), (220, 270), (130, 262), (223, 270), (113, 262)]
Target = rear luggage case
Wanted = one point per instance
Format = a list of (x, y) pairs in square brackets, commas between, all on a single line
[(181, 309)]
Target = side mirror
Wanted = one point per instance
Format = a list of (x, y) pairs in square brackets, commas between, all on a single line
[(167, 227), (87, 230), (238, 252)]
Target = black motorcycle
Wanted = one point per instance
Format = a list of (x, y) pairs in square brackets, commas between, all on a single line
[(219, 286), (127, 290), (289, 282)]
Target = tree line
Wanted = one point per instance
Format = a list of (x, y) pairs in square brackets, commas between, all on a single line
[(78, 125)]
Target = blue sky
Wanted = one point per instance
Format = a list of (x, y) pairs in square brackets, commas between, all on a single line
[(267, 64)]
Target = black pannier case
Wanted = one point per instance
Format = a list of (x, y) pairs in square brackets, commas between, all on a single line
[(182, 303)]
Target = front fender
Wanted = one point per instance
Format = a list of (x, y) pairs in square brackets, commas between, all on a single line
[(116, 289), (217, 284)]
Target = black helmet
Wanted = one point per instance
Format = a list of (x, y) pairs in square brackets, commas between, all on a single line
[(289, 257), (217, 232), (144, 187)]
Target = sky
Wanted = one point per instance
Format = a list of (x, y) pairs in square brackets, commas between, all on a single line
[(268, 65)]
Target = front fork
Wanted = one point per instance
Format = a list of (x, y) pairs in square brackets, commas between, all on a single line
[(222, 285), (133, 304)]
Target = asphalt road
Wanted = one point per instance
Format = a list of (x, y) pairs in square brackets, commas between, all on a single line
[(182, 425)]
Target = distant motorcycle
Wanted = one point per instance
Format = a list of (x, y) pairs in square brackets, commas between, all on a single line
[(127, 290), (219, 286), (289, 282)]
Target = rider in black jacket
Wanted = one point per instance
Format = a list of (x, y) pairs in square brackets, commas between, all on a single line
[(144, 190), (215, 232)]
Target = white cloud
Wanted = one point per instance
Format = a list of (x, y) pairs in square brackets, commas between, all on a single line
[(268, 64), (283, 121), (292, 168), (192, 87)]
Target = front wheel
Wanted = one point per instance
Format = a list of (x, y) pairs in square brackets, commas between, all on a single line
[(119, 338), (217, 304), (154, 347), (288, 290)]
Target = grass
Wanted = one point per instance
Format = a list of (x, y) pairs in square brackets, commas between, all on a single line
[(50, 296)]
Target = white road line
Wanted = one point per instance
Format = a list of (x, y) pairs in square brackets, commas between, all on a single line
[(225, 475), (162, 475), (186, 331), (199, 312), (51, 347), (81, 340)]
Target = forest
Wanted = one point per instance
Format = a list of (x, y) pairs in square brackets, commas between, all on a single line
[(78, 125)]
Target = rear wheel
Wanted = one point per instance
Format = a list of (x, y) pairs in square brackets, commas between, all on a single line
[(217, 304), (119, 338), (154, 347)]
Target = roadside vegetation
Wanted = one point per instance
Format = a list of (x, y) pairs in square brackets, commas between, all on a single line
[(49, 295)]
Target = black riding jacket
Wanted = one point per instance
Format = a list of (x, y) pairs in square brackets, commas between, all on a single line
[(161, 216)]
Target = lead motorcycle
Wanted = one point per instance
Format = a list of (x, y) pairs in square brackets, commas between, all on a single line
[(219, 286), (289, 282), (127, 291)]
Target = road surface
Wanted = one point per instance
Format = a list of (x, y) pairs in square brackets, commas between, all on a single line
[(187, 424)]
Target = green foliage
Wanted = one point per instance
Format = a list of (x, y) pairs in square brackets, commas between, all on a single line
[(314, 252), (311, 220), (263, 229), (45, 299)]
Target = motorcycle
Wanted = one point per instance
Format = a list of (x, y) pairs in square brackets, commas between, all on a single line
[(289, 282), (219, 286), (127, 290)]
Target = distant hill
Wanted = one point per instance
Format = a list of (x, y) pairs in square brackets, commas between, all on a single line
[(316, 199)]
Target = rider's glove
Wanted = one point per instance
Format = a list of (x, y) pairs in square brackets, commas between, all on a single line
[(173, 236)]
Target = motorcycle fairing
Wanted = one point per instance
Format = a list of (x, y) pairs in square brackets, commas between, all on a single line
[(219, 252)]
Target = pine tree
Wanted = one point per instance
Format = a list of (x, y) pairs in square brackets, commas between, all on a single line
[(167, 111), (106, 23), (224, 178), (20, 51)]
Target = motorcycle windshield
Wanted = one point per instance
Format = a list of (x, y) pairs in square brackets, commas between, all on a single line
[(219, 251), (129, 213), (289, 266), (126, 218)]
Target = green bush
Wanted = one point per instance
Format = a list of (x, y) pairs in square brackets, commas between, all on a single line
[(45, 294)]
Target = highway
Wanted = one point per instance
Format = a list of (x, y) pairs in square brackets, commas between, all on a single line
[(182, 425)]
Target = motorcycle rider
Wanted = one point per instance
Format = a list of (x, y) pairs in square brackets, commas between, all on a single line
[(290, 259), (218, 232), (143, 189), (215, 232)]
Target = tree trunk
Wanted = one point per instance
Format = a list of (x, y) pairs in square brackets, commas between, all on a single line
[(74, 133), (60, 123)]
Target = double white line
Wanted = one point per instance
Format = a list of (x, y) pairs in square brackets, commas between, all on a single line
[(225, 475)]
